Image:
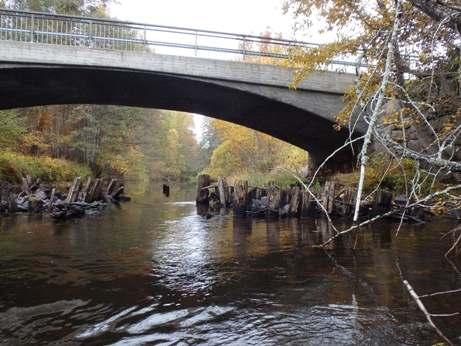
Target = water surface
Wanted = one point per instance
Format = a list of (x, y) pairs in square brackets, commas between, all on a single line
[(154, 272)]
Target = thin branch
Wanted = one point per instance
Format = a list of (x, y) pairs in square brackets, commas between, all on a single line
[(423, 309), (440, 293), (391, 212), (455, 244), (446, 315)]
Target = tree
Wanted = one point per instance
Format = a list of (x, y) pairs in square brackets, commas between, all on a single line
[(402, 101), (11, 129), (245, 152), (441, 10), (72, 7), (411, 85)]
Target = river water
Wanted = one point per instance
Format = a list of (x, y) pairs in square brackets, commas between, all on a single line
[(154, 272)]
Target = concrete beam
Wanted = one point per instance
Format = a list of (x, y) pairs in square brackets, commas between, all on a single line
[(222, 70)]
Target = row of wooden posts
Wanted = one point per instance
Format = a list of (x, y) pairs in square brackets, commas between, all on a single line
[(291, 201), (94, 190), (33, 196)]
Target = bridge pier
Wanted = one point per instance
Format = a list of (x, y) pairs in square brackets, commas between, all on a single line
[(342, 163)]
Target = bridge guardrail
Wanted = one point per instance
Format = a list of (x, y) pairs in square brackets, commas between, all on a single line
[(103, 33)]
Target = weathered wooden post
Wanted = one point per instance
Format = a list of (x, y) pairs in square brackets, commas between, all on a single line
[(295, 201), (305, 203), (166, 190), (328, 196), (73, 191), (223, 191), (94, 192), (240, 197), (50, 206), (230, 195), (273, 198), (111, 186), (84, 192), (203, 181), (382, 201), (348, 199)]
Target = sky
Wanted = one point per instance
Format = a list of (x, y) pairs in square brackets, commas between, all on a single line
[(236, 16), (239, 16)]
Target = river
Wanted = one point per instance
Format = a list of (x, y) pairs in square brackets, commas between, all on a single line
[(154, 272)]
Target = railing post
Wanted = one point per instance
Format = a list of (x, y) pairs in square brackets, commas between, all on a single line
[(32, 25), (244, 48), (90, 33), (196, 43)]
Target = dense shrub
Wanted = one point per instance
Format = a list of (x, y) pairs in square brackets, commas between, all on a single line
[(13, 166)]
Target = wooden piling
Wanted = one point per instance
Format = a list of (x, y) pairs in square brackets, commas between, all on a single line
[(328, 196), (203, 180), (295, 201), (240, 197), (223, 192), (73, 191)]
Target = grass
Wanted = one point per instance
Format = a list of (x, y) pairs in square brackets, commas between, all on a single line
[(13, 166), (278, 176), (383, 170)]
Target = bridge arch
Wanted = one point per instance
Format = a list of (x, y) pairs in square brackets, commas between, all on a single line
[(252, 95)]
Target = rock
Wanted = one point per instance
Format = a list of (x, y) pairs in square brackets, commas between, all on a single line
[(35, 204), (415, 145), (285, 210), (40, 194), (258, 207), (400, 200), (397, 135), (411, 133), (265, 201)]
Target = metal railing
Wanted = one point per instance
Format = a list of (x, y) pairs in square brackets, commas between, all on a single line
[(99, 33)]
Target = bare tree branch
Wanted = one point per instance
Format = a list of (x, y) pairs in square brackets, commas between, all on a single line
[(423, 309), (391, 212)]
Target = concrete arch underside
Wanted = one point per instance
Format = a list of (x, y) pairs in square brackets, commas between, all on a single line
[(268, 109)]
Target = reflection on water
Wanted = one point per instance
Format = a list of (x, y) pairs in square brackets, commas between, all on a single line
[(155, 272)]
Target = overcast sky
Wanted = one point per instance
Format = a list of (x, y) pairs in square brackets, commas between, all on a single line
[(240, 16)]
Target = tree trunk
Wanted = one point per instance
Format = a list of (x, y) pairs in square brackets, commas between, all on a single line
[(376, 111)]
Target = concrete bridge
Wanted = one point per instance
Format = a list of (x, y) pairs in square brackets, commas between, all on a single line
[(38, 72)]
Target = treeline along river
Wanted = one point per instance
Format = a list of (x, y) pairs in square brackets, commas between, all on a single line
[(155, 272)]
